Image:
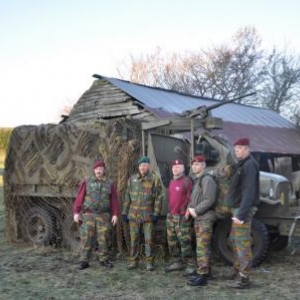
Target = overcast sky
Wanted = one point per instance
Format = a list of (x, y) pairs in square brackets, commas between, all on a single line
[(49, 50)]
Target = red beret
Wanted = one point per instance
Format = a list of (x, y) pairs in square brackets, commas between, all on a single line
[(177, 162), (242, 142), (198, 158), (99, 163)]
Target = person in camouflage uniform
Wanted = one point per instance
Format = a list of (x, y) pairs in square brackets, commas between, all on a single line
[(141, 208), (201, 207), (179, 222), (243, 199), (98, 204)]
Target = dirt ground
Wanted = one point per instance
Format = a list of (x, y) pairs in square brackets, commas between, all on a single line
[(49, 273)]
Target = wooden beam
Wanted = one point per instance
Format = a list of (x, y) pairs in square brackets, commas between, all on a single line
[(155, 124)]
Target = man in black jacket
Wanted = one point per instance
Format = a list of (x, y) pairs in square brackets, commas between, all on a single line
[(243, 199)]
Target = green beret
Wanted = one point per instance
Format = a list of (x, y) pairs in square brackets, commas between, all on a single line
[(144, 159)]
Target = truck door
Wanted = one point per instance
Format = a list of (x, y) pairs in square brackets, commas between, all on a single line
[(162, 150)]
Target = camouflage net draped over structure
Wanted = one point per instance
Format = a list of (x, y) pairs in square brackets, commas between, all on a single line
[(44, 166)]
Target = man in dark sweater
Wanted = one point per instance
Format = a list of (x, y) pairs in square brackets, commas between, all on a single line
[(243, 199)]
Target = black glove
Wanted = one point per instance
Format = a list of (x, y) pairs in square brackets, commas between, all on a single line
[(125, 218), (154, 219)]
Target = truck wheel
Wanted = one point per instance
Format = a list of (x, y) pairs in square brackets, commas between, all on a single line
[(37, 226), (260, 241), (71, 234)]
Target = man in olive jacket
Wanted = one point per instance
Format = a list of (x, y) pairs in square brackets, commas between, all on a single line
[(201, 208), (141, 207)]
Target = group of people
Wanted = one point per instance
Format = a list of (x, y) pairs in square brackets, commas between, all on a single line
[(191, 204)]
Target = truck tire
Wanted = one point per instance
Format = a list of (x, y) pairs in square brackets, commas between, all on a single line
[(260, 241), (71, 234), (37, 226)]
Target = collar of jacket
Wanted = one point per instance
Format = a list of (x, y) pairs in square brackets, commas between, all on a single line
[(200, 174), (97, 180), (178, 177), (139, 176), (242, 161)]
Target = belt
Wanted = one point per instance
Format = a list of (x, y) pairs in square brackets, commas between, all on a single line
[(91, 211)]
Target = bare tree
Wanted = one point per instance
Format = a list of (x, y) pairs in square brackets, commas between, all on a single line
[(281, 84), (230, 70)]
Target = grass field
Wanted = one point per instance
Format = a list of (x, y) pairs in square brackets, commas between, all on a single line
[(50, 274), (2, 158)]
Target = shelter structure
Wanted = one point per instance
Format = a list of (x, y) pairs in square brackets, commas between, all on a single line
[(272, 136)]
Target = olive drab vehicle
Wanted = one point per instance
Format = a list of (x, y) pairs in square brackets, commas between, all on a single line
[(275, 222), (45, 164)]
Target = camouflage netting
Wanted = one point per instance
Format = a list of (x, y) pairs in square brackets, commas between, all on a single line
[(44, 166)]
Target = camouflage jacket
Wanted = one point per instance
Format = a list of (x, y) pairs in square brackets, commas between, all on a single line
[(143, 197), (96, 197)]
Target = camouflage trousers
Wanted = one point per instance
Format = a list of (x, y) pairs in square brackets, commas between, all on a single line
[(135, 231), (179, 235), (95, 228), (203, 230), (240, 237)]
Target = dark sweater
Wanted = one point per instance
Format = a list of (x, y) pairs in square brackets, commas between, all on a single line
[(244, 187)]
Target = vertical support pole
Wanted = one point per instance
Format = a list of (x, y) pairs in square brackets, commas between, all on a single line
[(192, 138), (143, 142)]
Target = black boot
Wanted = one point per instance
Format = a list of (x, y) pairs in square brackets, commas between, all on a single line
[(209, 275), (190, 276), (83, 265), (106, 264), (199, 280), (242, 282)]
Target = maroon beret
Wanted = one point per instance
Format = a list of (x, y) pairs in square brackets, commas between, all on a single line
[(198, 158), (177, 162), (242, 142), (99, 163)]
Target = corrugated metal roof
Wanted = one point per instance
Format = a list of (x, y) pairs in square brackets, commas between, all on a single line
[(264, 138), (173, 102), (267, 130)]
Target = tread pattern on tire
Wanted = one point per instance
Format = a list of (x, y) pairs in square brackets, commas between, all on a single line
[(37, 226), (260, 238)]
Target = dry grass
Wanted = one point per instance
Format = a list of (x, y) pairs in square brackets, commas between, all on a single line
[(2, 159), (49, 273)]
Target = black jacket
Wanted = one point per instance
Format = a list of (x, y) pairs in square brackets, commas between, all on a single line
[(244, 187)]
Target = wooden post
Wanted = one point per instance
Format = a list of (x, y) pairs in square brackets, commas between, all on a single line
[(192, 138), (143, 142)]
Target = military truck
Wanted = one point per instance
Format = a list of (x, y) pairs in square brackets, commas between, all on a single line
[(43, 169), (274, 223), (45, 164)]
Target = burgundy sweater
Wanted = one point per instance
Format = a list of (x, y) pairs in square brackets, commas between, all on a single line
[(179, 195)]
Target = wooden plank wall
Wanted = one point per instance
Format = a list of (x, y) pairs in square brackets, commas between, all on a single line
[(104, 101)]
